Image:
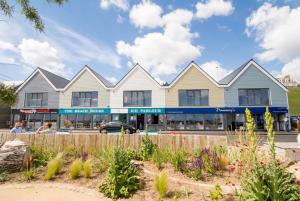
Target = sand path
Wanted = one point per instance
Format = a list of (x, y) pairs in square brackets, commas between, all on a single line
[(48, 192)]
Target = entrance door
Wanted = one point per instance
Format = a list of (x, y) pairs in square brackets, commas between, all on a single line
[(140, 121)]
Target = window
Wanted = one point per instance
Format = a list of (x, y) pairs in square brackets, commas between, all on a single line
[(137, 98), (36, 99), (198, 97), (253, 97), (85, 99)]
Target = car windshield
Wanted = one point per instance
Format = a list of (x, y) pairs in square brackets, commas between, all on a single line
[(115, 123)]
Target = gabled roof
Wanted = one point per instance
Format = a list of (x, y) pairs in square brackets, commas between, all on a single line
[(105, 83), (191, 64), (137, 66), (56, 82), (232, 77), (227, 79)]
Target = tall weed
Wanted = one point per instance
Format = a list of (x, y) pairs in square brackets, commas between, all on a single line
[(161, 184)]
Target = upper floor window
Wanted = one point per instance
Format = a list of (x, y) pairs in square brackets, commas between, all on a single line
[(137, 98), (85, 99), (36, 99), (254, 97), (193, 97)]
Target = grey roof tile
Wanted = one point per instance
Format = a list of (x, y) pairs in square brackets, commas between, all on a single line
[(57, 81), (227, 79), (101, 78)]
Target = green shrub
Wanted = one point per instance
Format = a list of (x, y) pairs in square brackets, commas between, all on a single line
[(269, 181), (159, 158), (122, 178), (104, 156), (133, 154), (179, 160), (73, 151), (54, 166), (87, 168), (216, 195), (29, 174), (3, 176), (75, 168), (147, 148), (41, 155), (161, 184)]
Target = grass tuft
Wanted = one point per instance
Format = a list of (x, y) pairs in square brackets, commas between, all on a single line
[(54, 166), (75, 169), (161, 184), (87, 168)]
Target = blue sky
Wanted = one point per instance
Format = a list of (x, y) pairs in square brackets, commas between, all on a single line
[(163, 36)]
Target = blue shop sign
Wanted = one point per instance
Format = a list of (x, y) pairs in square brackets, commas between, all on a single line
[(146, 110), (84, 111), (254, 110)]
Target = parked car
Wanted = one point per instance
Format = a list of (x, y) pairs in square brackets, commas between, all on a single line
[(116, 126)]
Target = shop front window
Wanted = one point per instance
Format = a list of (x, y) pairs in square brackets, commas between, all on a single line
[(36, 99), (240, 121), (51, 118), (254, 97), (213, 122), (119, 117), (194, 122), (100, 119), (68, 121), (85, 99), (84, 121), (137, 98), (35, 121), (195, 97), (175, 121)]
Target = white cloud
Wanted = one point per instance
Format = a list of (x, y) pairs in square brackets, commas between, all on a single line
[(77, 47), (41, 54), (4, 59), (276, 29), (213, 8), (5, 49), (112, 79), (293, 69), (161, 52), (215, 69), (121, 4), (146, 14), (7, 46), (160, 81)]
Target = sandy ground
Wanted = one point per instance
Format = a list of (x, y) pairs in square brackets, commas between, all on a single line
[(48, 192)]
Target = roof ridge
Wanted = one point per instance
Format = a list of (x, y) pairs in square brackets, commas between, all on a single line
[(40, 68), (106, 82)]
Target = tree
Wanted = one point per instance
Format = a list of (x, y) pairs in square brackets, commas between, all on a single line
[(28, 11), (8, 95)]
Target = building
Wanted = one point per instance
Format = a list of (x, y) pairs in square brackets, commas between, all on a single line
[(287, 81), (251, 86), (193, 101), (38, 99)]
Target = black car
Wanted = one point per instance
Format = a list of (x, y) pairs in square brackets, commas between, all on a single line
[(116, 126)]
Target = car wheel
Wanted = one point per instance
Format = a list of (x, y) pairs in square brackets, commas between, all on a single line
[(104, 131), (127, 131)]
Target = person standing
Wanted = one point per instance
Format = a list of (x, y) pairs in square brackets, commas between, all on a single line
[(17, 129), (286, 123)]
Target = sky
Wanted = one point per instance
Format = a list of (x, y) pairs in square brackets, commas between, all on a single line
[(111, 36)]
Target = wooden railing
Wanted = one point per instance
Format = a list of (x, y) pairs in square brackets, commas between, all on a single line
[(94, 141)]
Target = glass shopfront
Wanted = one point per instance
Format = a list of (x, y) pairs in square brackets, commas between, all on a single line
[(32, 119), (195, 122)]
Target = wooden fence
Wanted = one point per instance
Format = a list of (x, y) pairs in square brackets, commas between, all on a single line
[(95, 141)]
